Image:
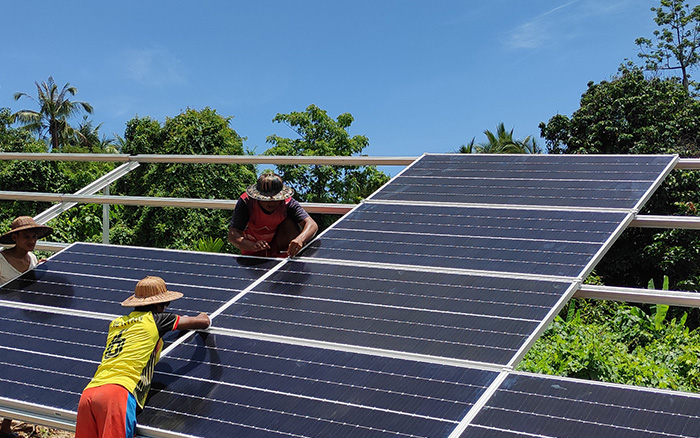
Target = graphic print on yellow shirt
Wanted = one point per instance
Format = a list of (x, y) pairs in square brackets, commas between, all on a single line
[(133, 348)]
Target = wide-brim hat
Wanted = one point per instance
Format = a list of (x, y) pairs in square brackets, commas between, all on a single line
[(25, 223), (151, 290), (270, 188)]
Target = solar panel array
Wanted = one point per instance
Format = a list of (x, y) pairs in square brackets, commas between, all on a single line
[(405, 318)]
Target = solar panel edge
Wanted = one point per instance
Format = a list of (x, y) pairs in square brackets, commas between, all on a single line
[(601, 383), (433, 269), (38, 414), (479, 405), (659, 180)]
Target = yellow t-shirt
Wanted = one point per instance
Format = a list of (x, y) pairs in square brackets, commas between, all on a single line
[(133, 348)]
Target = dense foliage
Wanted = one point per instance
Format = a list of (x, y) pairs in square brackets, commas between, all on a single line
[(320, 135), (616, 342), (191, 133), (633, 114)]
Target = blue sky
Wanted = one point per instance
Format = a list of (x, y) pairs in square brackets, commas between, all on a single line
[(417, 76)]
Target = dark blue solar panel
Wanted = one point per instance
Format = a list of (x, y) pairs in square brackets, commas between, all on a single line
[(544, 242), (98, 277), (220, 386), (47, 359), (485, 319), (527, 406), (542, 180)]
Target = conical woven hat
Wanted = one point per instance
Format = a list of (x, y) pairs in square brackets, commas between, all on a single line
[(25, 223), (270, 188), (151, 290)]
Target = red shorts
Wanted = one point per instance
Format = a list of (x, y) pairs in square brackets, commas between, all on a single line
[(107, 411)]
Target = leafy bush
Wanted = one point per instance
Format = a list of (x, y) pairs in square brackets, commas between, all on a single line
[(620, 343)]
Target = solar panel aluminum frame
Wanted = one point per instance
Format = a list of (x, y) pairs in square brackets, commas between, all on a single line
[(662, 176), (44, 415), (535, 335)]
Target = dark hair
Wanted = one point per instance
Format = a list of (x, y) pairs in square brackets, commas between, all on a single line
[(148, 308)]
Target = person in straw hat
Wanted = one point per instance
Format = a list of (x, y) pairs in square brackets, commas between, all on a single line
[(24, 233), (268, 222), (108, 405)]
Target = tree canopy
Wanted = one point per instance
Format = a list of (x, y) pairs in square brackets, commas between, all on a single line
[(632, 114), (677, 40), (320, 135), (192, 132), (628, 115)]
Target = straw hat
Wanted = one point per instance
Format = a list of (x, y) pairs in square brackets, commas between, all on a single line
[(270, 188), (25, 223), (151, 290)]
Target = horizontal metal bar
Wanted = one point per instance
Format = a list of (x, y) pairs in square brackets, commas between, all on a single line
[(636, 295), (216, 159), (224, 204), (276, 159), (683, 163), (678, 222), (44, 246), (688, 164), (63, 157)]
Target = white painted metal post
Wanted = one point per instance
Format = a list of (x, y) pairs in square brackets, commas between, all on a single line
[(105, 218)]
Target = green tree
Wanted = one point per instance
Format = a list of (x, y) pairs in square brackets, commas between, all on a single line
[(55, 108), (634, 115), (19, 175), (190, 133), (88, 138), (628, 115), (677, 41), (320, 135), (502, 142)]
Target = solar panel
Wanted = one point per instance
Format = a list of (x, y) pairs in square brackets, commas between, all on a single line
[(571, 181), (466, 317), (223, 386), (405, 318), (529, 405), (98, 278), (522, 241), (48, 358)]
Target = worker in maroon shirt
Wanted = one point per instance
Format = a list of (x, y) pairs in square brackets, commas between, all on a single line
[(268, 222)]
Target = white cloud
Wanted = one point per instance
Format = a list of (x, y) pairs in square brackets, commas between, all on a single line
[(156, 67), (537, 31)]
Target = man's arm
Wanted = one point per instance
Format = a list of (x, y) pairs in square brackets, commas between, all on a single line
[(200, 321), (310, 227), (237, 239)]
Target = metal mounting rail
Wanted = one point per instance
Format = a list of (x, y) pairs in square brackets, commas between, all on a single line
[(636, 295)]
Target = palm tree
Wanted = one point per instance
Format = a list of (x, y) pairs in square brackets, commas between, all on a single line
[(54, 110), (87, 136), (502, 142)]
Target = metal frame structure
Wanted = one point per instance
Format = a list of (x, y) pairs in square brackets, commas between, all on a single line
[(88, 195)]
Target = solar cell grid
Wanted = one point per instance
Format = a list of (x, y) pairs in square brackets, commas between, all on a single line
[(529, 405), (242, 387), (47, 359), (541, 242), (611, 182), (483, 319), (98, 278)]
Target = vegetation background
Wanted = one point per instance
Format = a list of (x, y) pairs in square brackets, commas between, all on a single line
[(651, 108)]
